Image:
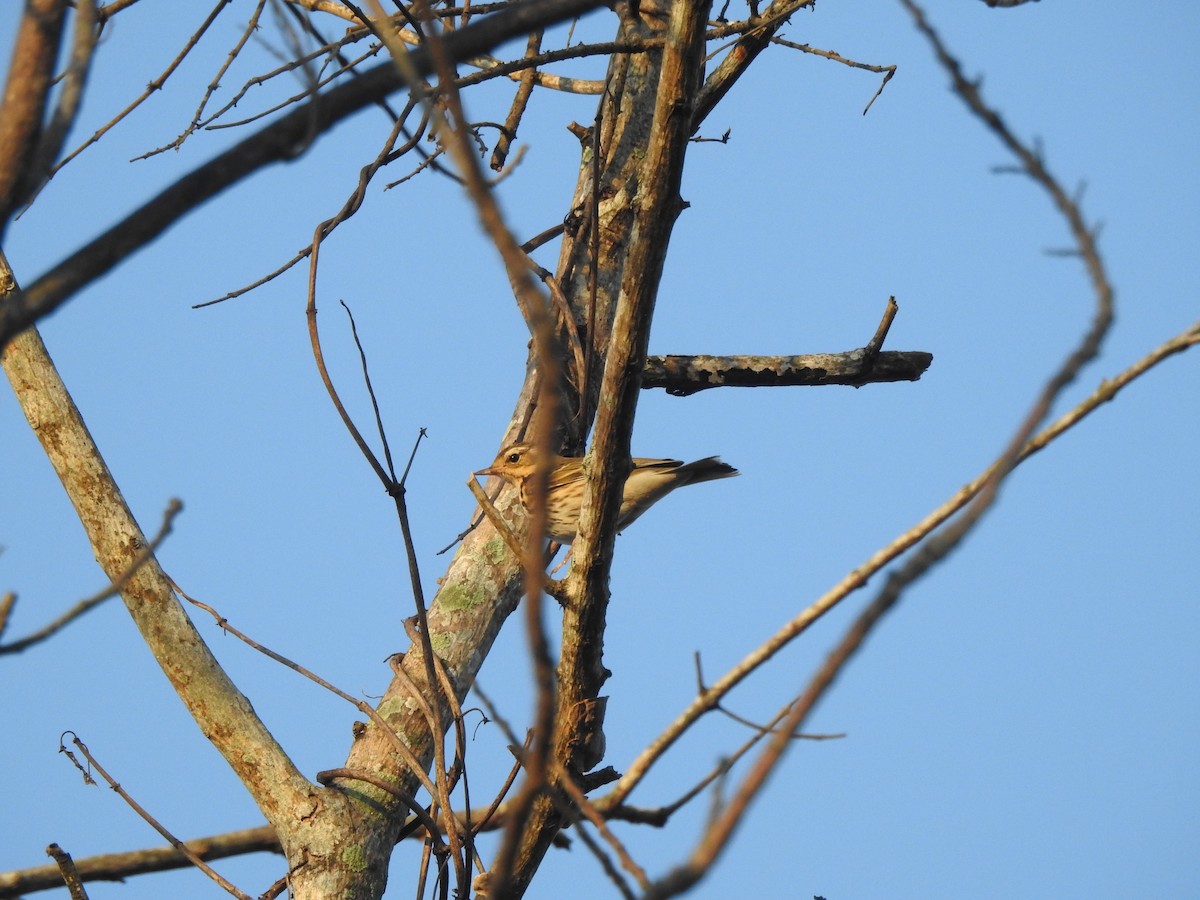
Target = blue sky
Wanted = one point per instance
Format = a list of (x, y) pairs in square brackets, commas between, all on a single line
[(1023, 725)]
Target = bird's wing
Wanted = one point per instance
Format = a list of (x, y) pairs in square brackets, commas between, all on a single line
[(657, 463), (564, 475)]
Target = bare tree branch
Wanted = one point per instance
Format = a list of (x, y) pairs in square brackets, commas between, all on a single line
[(25, 99), (589, 322), (941, 543), (281, 141), (94, 764), (67, 871), (667, 85), (89, 603), (682, 376), (722, 79), (120, 866), (55, 133), (222, 712)]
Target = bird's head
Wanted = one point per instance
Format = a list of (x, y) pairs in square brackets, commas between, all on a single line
[(514, 463)]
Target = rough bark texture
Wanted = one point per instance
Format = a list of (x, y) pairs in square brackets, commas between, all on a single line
[(339, 839), (639, 161), (684, 375), (222, 712)]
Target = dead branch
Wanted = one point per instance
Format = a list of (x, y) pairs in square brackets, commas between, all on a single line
[(682, 376), (119, 866)]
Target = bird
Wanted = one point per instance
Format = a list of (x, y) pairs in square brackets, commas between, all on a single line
[(649, 481)]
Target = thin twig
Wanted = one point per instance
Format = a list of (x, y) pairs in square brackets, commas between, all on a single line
[(702, 688), (349, 208), (155, 85), (534, 308), (941, 543), (520, 100), (565, 782), (154, 823), (1103, 394), (113, 589), (887, 71), (215, 83), (432, 832), (362, 706), (279, 141)]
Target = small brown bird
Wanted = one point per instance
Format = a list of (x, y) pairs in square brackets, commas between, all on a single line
[(648, 482)]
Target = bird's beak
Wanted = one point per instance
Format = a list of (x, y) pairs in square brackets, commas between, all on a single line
[(487, 471)]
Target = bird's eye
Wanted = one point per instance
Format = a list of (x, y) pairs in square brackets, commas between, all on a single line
[(514, 457)]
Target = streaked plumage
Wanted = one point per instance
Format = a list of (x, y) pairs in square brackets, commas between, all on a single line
[(648, 482)]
